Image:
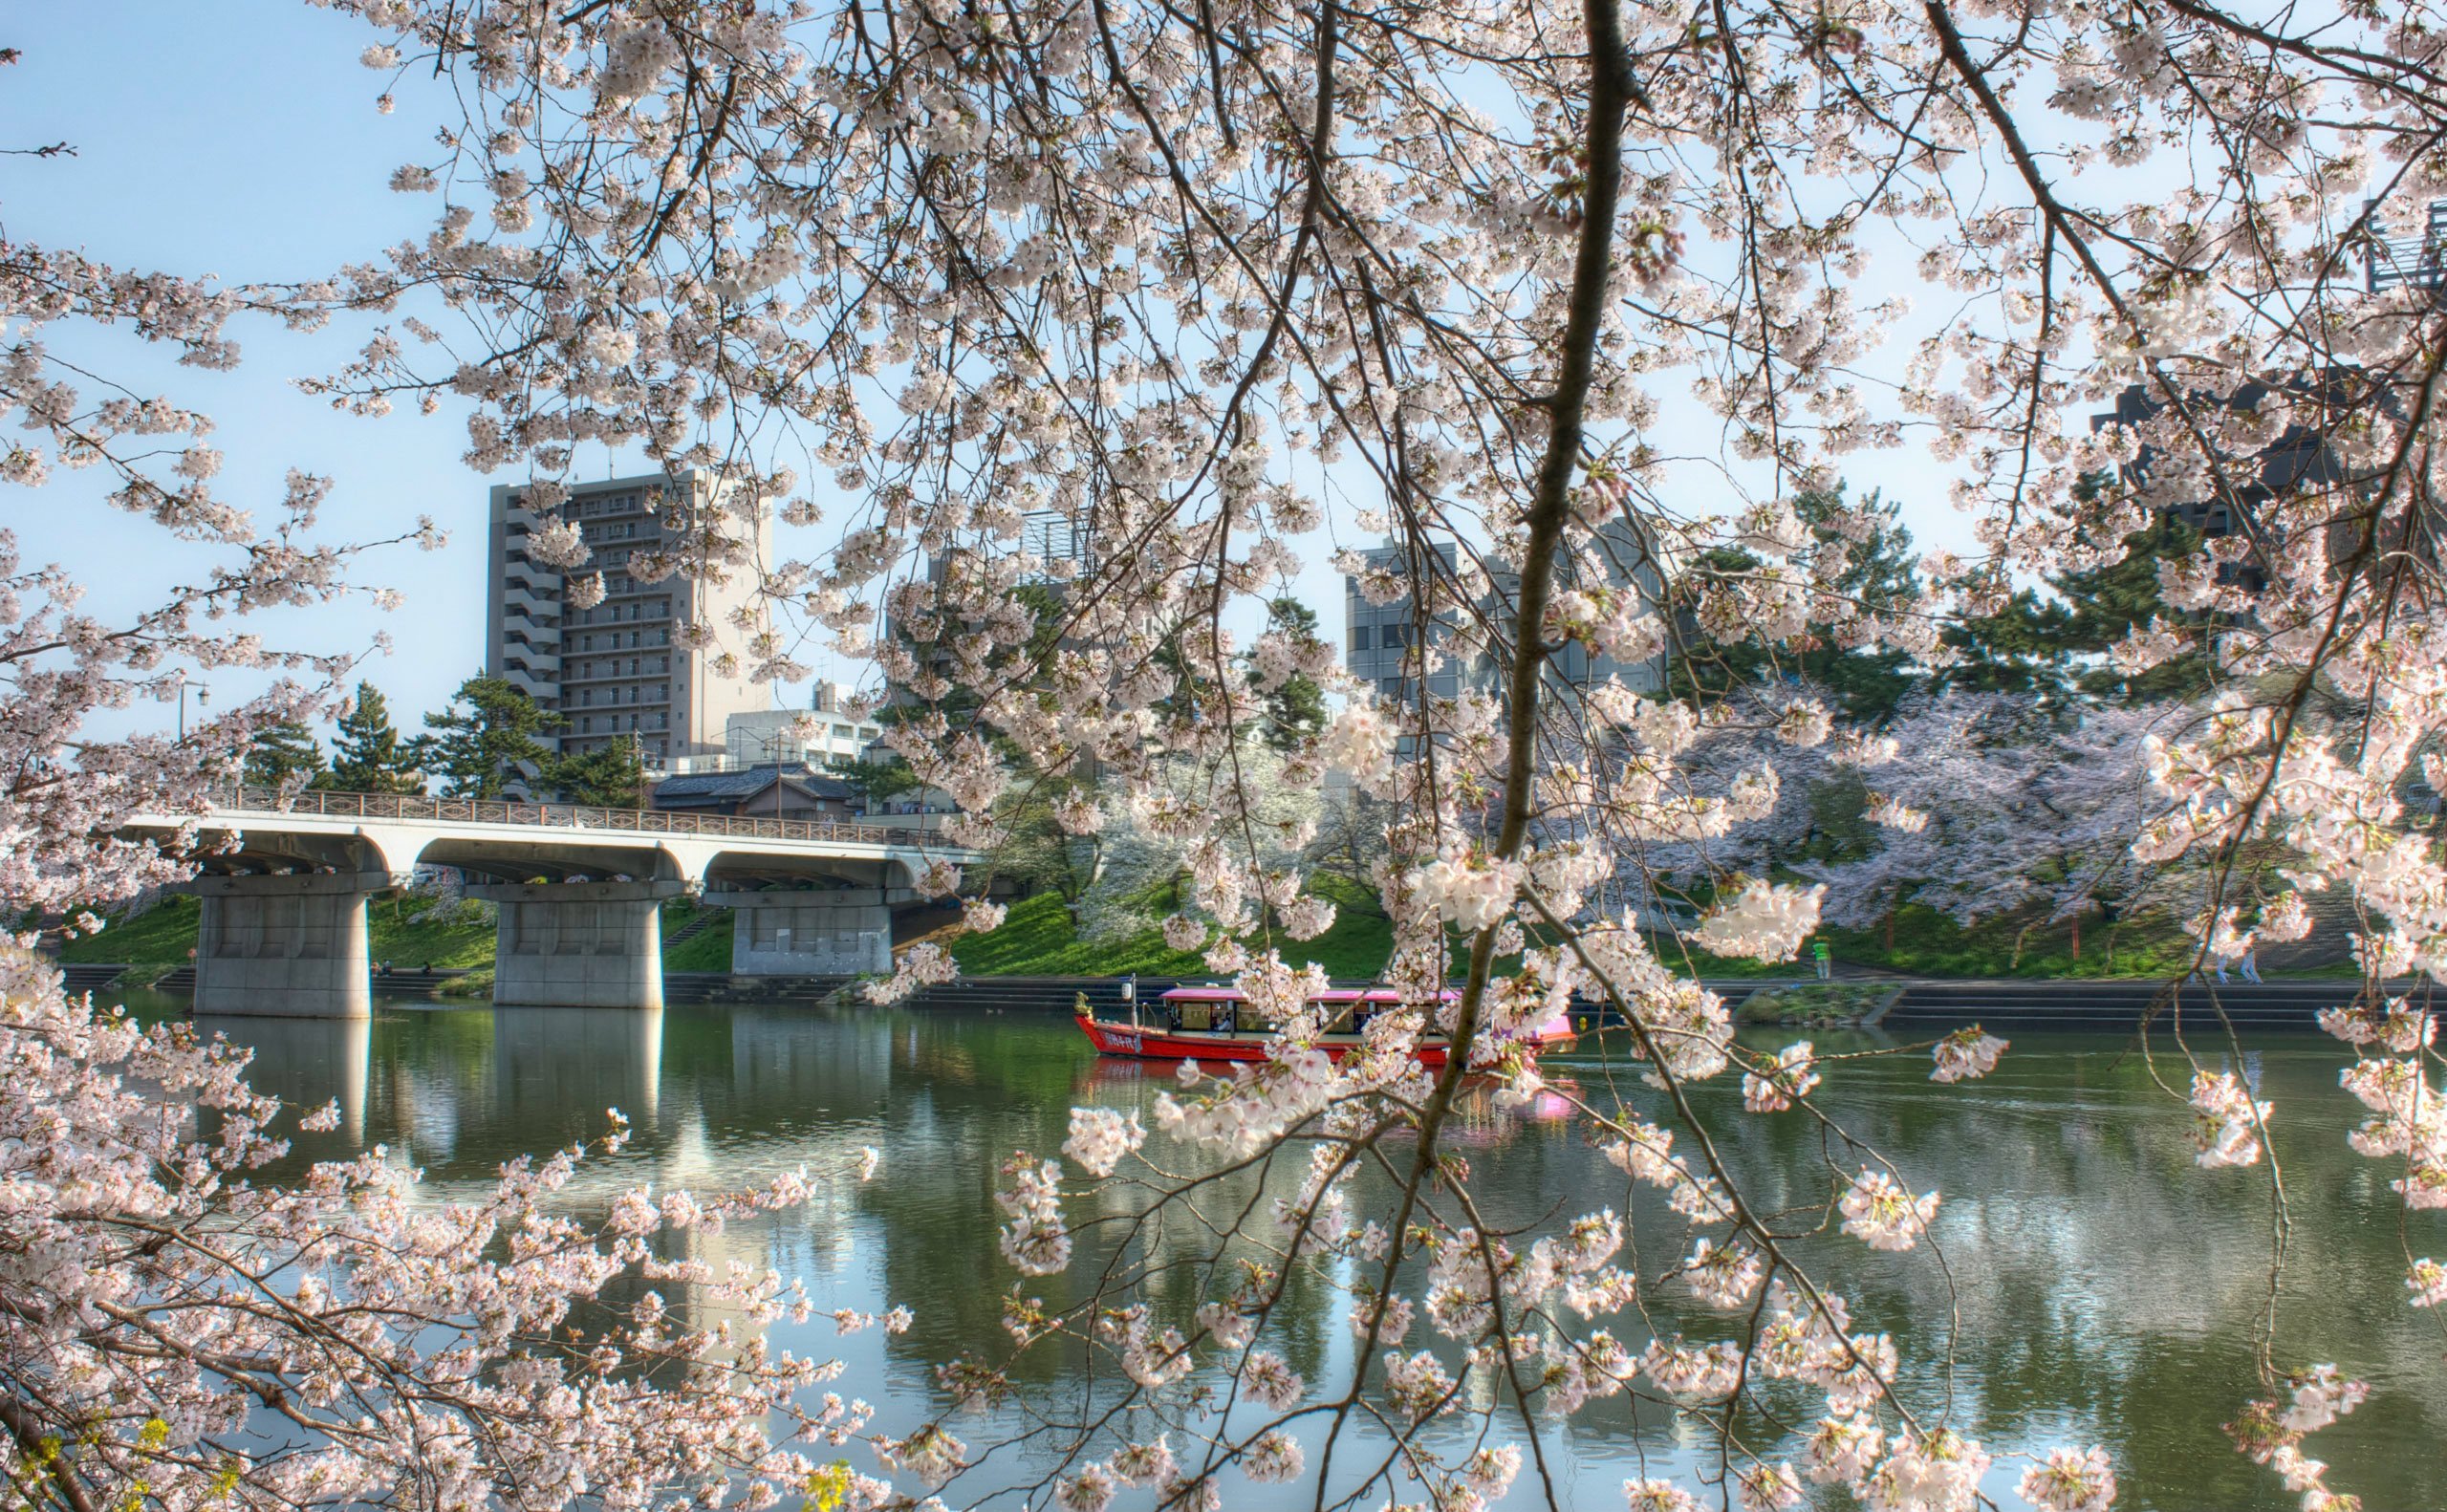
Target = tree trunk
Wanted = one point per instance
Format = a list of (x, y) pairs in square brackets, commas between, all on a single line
[(2077, 940)]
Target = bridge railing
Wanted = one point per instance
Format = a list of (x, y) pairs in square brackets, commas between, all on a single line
[(569, 817)]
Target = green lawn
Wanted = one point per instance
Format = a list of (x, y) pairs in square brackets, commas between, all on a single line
[(161, 937), (1929, 944), (437, 935), (709, 950), (1037, 939)]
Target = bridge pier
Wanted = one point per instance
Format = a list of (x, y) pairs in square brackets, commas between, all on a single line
[(838, 932), (284, 946), (578, 944)]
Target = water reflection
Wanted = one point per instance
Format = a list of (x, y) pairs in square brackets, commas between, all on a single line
[(306, 1062), (2103, 1288), (589, 1061)]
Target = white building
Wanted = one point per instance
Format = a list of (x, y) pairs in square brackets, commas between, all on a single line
[(829, 738), (611, 672)]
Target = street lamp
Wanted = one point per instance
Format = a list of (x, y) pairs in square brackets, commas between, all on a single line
[(203, 702)]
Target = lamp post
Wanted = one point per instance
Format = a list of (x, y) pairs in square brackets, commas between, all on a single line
[(203, 702)]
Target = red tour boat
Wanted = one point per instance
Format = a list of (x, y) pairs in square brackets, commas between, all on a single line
[(1215, 1024)]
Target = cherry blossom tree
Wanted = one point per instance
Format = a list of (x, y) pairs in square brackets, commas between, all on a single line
[(1484, 270), (173, 1332), (1177, 836), (2002, 807)]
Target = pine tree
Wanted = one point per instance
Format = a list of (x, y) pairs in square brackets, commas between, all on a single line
[(283, 753), (1878, 573), (2108, 603), (611, 775), (1297, 709), (2056, 648), (877, 780), (2018, 649), (368, 754), (486, 737)]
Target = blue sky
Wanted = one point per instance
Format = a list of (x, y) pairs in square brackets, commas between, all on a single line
[(240, 137)]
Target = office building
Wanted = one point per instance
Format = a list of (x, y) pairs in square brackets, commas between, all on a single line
[(2407, 251), (611, 671), (1056, 540), (1378, 639), (1381, 639)]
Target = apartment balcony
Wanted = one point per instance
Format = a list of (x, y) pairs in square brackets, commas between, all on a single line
[(579, 678), (533, 607), (571, 702)]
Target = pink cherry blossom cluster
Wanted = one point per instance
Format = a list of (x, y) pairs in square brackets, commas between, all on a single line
[(1173, 288)]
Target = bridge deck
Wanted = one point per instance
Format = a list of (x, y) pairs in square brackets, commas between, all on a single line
[(415, 807)]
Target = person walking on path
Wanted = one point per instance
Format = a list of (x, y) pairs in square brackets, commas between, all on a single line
[(1826, 963)]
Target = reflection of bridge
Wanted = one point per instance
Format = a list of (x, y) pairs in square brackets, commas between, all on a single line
[(287, 878)]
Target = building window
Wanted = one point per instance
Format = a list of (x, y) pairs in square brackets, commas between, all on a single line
[(1359, 637), (634, 691), (585, 725)]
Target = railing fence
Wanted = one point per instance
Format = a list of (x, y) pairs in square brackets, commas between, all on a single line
[(566, 816)]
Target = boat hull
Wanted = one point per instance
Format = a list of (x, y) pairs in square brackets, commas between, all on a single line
[(1147, 1043)]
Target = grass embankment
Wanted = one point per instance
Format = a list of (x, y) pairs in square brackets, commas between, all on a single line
[(706, 950), (411, 933), (1039, 939)]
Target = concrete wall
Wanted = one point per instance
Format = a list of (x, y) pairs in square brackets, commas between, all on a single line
[(283, 947), (578, 944), (846, 932)]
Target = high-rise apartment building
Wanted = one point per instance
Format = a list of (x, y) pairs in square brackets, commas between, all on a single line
[(611, 672)]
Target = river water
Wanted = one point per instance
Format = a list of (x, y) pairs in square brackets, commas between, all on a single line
[(2096, 1286)]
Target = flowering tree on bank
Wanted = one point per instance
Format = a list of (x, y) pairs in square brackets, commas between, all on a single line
[(1998, 811), (1123, 263)]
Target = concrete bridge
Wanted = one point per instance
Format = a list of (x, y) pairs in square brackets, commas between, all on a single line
[(286, 878)]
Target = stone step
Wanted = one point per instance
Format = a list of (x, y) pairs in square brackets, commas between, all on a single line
[(698, 925)]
